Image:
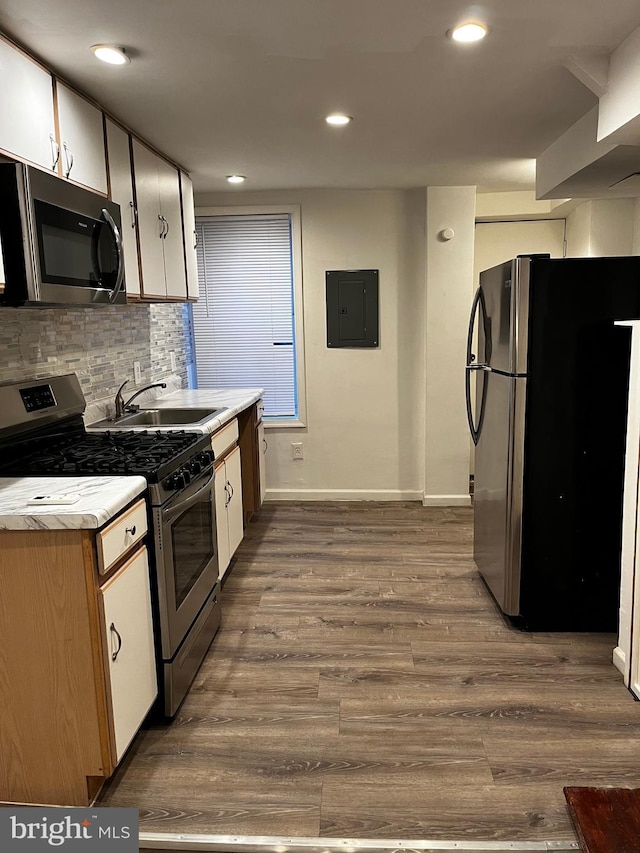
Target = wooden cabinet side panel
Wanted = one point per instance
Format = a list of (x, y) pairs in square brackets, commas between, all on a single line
[(262, 463), (49, 728), (247, 421)]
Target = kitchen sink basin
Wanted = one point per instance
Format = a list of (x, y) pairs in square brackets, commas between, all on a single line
[(160, 417)]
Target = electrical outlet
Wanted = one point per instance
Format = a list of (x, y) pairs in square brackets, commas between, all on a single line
[(174, 365), (137, 373), (296, 450)]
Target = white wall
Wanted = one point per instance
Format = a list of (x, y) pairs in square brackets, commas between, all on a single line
[(635, 242), (602, 228), (449, 280), (364, 437), (496, 242)]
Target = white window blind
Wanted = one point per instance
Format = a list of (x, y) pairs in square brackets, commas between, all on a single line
[(243, 322)]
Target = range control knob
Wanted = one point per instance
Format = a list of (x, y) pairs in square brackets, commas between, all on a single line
[(205, 458), (175, 482), (195, 466)]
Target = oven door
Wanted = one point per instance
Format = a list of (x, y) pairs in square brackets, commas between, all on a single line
[(186, 559)]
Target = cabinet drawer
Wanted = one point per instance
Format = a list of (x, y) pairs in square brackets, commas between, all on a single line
[(121, 535), (224, 438)]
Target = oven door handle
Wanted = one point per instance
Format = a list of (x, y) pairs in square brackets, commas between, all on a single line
[(174, 511)]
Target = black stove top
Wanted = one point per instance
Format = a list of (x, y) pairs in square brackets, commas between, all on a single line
[(148, 454)]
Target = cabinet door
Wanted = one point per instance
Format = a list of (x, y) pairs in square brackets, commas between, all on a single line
[(222, 525), (234, 507), (173, 241), (190, 238), (150, 226), (82, 154), (27, 126), (262, 462), (121, 186), (126, 603)]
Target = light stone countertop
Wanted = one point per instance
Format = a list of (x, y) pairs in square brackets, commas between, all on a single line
[(101, 498), (234, 400)]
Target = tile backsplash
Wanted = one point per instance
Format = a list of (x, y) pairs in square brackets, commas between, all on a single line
[(98, 344)]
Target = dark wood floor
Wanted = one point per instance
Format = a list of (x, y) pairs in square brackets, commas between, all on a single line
[(363, 684)]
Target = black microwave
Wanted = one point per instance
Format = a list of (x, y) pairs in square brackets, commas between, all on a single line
[(61, 244)]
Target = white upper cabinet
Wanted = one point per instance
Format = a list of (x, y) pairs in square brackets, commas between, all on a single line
[(190, 236), (159, 225), (121, 191), (27, 125), (82, 154), (173, 243)]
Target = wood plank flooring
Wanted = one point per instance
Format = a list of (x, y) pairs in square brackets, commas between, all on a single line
[(364, 684)]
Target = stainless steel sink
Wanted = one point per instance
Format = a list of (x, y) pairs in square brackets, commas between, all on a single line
[(160, 417)]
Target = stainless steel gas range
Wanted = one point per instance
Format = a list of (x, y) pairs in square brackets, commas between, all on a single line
[(42, 433)]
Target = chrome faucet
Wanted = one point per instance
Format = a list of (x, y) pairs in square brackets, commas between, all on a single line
[(122, 407)]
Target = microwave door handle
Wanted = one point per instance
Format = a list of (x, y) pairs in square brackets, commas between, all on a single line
[(118, 241)]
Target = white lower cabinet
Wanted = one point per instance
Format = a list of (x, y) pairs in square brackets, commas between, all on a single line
[(229, 515), (126, 610)]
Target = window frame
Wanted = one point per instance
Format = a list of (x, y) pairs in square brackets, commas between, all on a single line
[(298, 304)]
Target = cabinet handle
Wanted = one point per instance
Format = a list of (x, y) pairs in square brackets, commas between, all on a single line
[(131, 530), (231, 487), (55, 151), (114, 630), (226, 491), (166, 233), (69, 158), (161, 221), (266, 446), (133, 214), (195, 239)]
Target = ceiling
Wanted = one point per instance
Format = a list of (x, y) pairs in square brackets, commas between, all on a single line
[(242, 86)]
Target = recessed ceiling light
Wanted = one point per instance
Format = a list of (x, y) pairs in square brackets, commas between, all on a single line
[(338, 119), (236, 179), (110, 53), (469, 32)]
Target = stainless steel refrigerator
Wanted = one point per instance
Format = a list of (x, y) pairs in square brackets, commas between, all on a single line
[(551, 387)]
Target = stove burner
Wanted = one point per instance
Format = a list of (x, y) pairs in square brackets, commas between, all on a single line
[(144, 453)]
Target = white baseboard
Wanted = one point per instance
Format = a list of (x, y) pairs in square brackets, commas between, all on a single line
[(619, 659), (341, 495), (446, 500)]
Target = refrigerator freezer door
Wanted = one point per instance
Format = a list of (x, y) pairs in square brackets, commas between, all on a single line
[(498, 487), (502, 338)]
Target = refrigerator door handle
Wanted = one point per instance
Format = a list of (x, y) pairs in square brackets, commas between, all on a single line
[(472, 322), (473, 429), (478, 302)]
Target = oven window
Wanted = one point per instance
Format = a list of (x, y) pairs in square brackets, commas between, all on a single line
[(192, 536)]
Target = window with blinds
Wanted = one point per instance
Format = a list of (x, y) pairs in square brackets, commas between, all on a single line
[(243, 321)]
